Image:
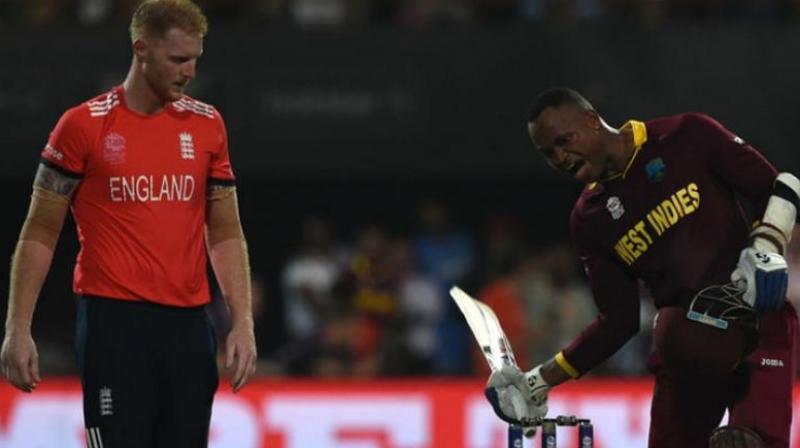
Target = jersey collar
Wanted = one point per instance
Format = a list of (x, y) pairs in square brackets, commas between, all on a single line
[(639, 132)]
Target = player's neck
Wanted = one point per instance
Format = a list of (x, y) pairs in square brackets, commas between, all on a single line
[(620, 149), (139, 96)]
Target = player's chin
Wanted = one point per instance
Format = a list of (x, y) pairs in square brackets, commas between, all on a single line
[(170, 95), (176, 92), (585, 177), (584, 174), (175, 95)]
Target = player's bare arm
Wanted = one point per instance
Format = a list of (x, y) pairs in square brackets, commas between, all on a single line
[(227, 249), (52, 180), (554, 374), (52, 191)]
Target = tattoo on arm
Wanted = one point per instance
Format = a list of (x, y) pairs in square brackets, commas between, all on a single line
[(216, 191), (51, 180)]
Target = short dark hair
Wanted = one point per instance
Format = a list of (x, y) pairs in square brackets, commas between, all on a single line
[(555, 97)]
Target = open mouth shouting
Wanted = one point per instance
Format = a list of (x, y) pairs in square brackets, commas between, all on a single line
[(574, 167)]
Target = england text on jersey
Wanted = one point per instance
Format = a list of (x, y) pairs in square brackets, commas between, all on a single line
[(150, 188)]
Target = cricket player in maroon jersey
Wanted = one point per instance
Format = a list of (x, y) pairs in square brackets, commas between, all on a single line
[(146, 172), (663, 205)]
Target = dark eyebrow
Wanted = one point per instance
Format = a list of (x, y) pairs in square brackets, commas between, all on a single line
[(559, 139), (184, 56)]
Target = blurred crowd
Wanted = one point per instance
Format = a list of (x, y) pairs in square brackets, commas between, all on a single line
[(410, 12), (379, 305), (371, 301)]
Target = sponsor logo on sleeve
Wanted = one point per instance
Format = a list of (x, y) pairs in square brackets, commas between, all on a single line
[(53, 153)]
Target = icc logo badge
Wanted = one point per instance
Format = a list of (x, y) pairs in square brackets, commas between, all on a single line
[(656, 170), (614, 206), (114, 149)]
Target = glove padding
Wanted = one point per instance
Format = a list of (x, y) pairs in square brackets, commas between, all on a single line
[(510, 396), (764, 277), (537, 386)]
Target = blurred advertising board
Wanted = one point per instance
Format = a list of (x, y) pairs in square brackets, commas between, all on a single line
[(278, 413)]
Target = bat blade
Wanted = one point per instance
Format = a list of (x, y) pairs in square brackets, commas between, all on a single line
[(474, 316), (497, 336), (485, 328)]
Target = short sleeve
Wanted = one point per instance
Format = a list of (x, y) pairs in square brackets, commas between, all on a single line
[(68, 145), (220, 171)]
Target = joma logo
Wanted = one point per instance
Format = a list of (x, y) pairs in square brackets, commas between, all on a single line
[(771, 362)]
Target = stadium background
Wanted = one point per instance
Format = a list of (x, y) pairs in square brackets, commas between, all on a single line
[(381, 156)]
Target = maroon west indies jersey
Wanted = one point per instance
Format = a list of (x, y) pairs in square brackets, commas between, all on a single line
[(671, 220)]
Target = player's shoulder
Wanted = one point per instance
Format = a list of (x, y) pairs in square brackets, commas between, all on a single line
[(687, 122), (595, 210), (587, 204), (101, 105), (583, 213), (89, 113), (189, 105)]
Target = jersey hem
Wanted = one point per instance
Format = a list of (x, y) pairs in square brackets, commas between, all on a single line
[(143, 300)]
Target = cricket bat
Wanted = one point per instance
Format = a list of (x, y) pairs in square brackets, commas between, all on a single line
[(492, 341), (486, 328), (495, 347)]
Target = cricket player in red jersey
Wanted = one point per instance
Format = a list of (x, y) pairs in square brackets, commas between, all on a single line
[(663, 206), (145, 170)]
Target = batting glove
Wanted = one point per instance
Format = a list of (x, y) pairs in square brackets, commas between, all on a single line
[(764, 278), (508, 392)]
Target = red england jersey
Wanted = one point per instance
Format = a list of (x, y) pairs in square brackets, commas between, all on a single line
[(140, 206), (673, 220)]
